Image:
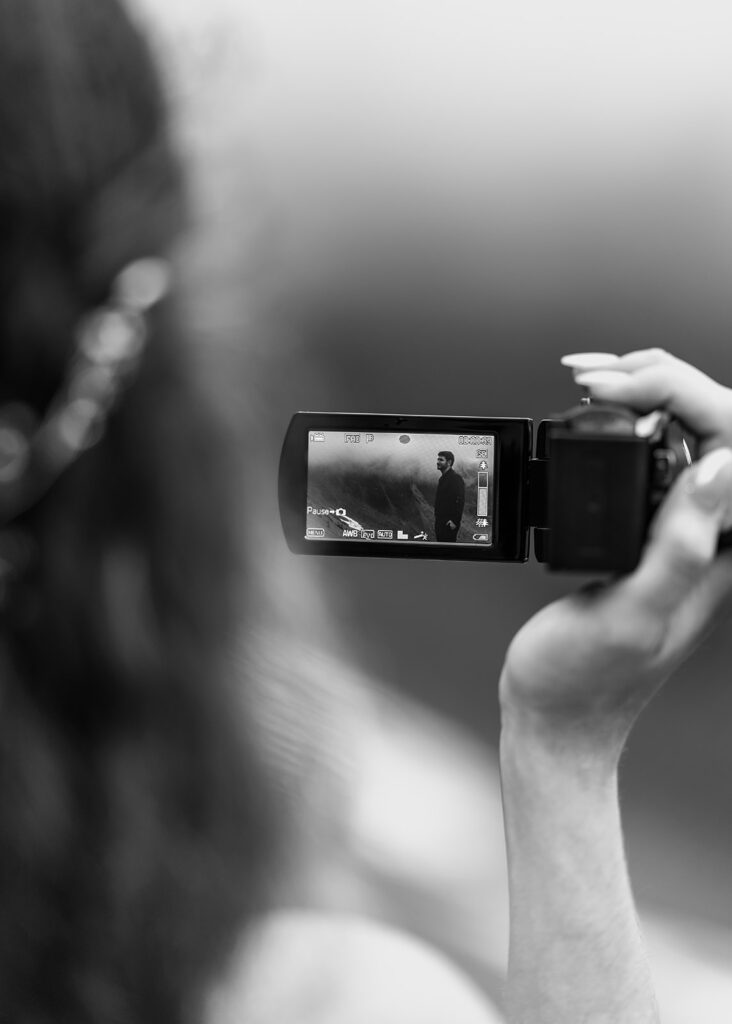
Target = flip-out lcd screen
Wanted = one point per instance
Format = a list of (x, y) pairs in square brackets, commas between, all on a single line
[(401, 487)]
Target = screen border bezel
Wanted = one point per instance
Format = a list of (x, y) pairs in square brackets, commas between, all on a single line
[(513, 449)]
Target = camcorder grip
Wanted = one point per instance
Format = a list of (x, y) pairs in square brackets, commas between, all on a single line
[(604, 471)]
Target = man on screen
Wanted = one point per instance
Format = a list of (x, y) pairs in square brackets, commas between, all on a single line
[(449, 500)]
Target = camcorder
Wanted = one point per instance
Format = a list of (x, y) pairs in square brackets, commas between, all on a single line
[(476, 488)]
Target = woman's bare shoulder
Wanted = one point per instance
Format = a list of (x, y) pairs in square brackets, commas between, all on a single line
[(309, 968)]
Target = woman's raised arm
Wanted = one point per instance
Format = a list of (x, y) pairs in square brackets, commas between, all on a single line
[(575, 679)]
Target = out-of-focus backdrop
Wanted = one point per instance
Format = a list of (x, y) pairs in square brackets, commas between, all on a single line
[(413, 206)]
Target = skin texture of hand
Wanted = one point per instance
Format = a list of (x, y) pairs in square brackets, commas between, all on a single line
[(575, 679)]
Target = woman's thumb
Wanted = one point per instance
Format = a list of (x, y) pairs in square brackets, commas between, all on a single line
[(709, 484), (685, 534)]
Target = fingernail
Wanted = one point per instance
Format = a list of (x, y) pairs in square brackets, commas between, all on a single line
[(705, 483), (646, 426), (593, 377), (577, 360)]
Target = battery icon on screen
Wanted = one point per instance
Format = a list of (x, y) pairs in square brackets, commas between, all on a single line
[(482, 510)]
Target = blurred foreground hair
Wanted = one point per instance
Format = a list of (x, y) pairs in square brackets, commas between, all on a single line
[(131, 822)]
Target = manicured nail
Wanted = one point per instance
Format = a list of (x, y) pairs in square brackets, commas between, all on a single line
[(646, 426), (588, 360), (593, 377)]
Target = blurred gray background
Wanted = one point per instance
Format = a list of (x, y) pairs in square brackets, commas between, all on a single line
[(419, 207)]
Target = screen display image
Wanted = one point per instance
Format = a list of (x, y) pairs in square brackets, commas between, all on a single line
[(386, 486)]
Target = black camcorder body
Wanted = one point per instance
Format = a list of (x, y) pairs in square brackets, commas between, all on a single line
[(475, 488)]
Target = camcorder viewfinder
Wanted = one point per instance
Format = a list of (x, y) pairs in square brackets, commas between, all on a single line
[(476, 488)]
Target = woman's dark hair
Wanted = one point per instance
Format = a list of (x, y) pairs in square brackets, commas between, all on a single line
[(132, 828)]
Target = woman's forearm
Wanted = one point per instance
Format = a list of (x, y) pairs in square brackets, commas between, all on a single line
[(576, 952)]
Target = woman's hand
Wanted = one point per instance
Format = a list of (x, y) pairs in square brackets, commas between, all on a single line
[(587, 664)]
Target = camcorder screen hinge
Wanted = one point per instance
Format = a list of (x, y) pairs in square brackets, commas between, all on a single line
[(538, 504), (537, 492)]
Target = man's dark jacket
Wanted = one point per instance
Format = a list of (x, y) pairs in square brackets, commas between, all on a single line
[(450, 499)]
